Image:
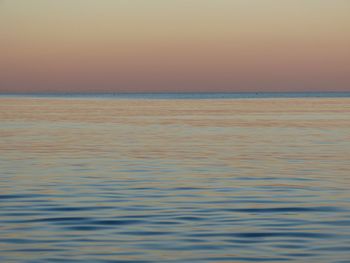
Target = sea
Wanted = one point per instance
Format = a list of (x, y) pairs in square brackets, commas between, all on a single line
[(175, 177)]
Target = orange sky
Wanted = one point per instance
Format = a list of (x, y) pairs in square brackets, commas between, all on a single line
[(174, 45)]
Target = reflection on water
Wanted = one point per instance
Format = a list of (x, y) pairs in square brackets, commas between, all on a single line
[(93, 180)]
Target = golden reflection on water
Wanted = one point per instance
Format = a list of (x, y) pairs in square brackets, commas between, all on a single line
[(257, 161)]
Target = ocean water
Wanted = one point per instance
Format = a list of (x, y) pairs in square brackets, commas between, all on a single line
[(169, 179)]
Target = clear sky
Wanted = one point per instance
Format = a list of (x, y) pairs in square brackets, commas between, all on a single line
[(174, 45)]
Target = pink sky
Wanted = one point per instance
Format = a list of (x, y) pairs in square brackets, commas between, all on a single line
[(160, 45)]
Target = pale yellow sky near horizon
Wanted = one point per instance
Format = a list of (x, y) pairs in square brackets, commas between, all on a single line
[(178, 45)]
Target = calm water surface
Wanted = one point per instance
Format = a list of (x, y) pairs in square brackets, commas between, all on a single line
[(136, 180)]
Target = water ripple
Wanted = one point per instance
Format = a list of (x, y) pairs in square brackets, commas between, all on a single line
[(174, 180)]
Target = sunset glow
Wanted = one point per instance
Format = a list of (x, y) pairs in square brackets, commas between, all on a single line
[(182, 45)]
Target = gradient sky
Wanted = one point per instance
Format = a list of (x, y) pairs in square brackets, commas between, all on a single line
[(174, 45)]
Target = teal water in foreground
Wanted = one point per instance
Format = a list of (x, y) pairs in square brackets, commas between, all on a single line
[(180, 180)]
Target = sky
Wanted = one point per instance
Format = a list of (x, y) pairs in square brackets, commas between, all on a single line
[(174, 45)]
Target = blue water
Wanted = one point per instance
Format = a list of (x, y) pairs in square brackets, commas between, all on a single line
[(174, 180)]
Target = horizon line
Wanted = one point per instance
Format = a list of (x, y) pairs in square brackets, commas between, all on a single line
[(165, 92)]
